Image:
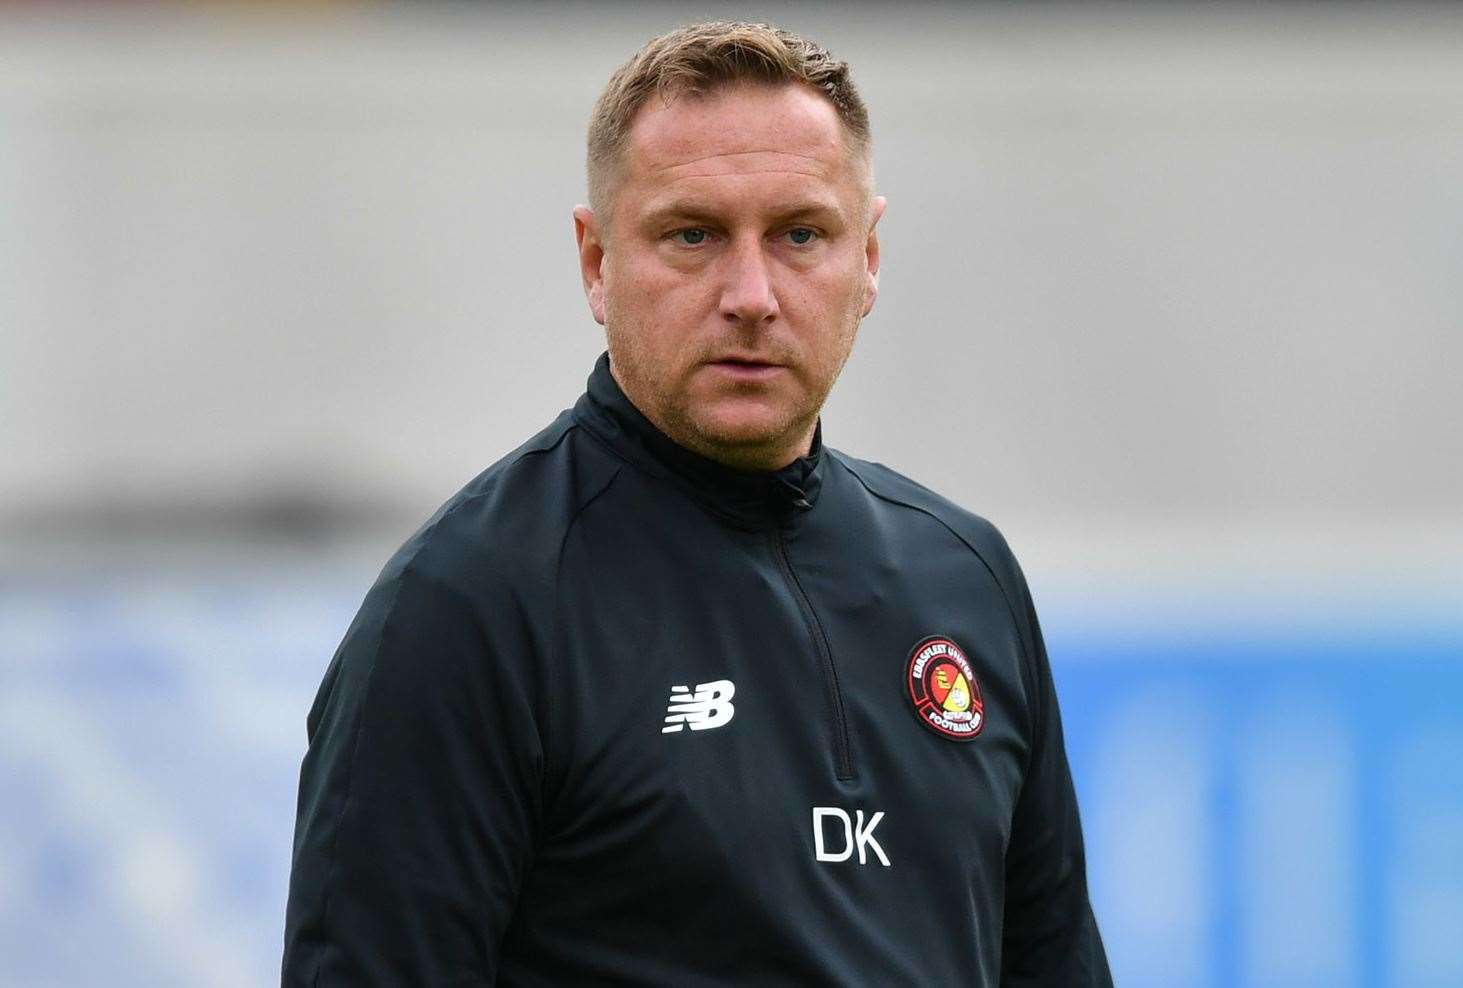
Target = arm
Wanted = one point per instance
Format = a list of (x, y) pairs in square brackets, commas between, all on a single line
[(419, 795), (1051, 936)]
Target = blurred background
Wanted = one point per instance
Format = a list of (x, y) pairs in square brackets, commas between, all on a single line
[(1172, 293)]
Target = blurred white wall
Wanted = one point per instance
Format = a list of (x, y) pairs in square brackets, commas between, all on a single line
[(1159, 260), (1192, 266)]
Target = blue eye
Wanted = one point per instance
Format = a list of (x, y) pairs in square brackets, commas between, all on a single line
[(692, 237), (801, 235)]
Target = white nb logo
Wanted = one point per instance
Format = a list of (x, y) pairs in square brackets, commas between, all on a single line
[(710, 706)]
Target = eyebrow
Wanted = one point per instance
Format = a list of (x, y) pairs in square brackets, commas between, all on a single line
[(698, 211)]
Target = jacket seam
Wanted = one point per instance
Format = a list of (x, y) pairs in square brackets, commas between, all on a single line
[(1005, 592), (345, 805), (1026, 651), (350, 775), (553, 626)]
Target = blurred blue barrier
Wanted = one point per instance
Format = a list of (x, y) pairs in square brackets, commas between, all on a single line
[(1282, 812), (1282, 808)]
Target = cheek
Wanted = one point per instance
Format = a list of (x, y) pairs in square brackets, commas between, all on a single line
[(826, 307), (834, 286), (643, 285), (655, 314)]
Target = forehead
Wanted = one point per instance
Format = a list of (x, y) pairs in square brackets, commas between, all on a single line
[(743, 130)]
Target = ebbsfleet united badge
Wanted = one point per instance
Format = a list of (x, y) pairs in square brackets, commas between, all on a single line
[(942, 687)]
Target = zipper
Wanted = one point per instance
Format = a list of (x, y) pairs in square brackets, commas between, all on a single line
[(842, 755)]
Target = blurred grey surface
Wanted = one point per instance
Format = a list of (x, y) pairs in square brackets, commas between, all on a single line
[(1195, 263), (1170, 292)]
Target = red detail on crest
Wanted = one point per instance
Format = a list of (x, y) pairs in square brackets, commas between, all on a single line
[(933, 681)]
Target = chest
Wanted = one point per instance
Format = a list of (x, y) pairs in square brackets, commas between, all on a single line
[(757, 697)]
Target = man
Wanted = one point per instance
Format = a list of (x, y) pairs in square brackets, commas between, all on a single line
[(674, 694)]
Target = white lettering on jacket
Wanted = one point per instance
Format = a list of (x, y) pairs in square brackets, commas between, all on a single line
[(855, 835)]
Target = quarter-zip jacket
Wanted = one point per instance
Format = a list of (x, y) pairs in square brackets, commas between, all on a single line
[(618, 714)]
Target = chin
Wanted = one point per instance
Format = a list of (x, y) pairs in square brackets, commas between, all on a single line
[(743, 428)]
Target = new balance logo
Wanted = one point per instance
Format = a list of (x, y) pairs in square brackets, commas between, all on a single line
[(855, 835), (710, 706)]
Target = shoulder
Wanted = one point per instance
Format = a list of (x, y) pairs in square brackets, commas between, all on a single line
[(470, 594), (505, 527), (978, 534)]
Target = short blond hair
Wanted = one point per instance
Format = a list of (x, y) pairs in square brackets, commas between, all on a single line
[(700, 59)]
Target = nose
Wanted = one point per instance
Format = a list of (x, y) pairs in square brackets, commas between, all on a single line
[(747, 296)]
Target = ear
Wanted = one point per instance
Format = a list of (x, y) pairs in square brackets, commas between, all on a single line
[(591, 259), (871, 253)]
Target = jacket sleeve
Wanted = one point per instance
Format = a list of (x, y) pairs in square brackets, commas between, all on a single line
[(419, 795), (1051, 937)]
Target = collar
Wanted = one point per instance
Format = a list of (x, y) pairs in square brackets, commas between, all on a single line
[(747, 499)]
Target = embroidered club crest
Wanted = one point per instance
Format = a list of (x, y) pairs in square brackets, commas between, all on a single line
[(941, 685)]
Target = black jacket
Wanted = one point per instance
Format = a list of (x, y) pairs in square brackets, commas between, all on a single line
[(620, 715)]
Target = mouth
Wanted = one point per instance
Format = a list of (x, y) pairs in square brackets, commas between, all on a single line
[(746, 371), (746, 368)]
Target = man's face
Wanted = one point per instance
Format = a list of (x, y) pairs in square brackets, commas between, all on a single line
[(733, 271)]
